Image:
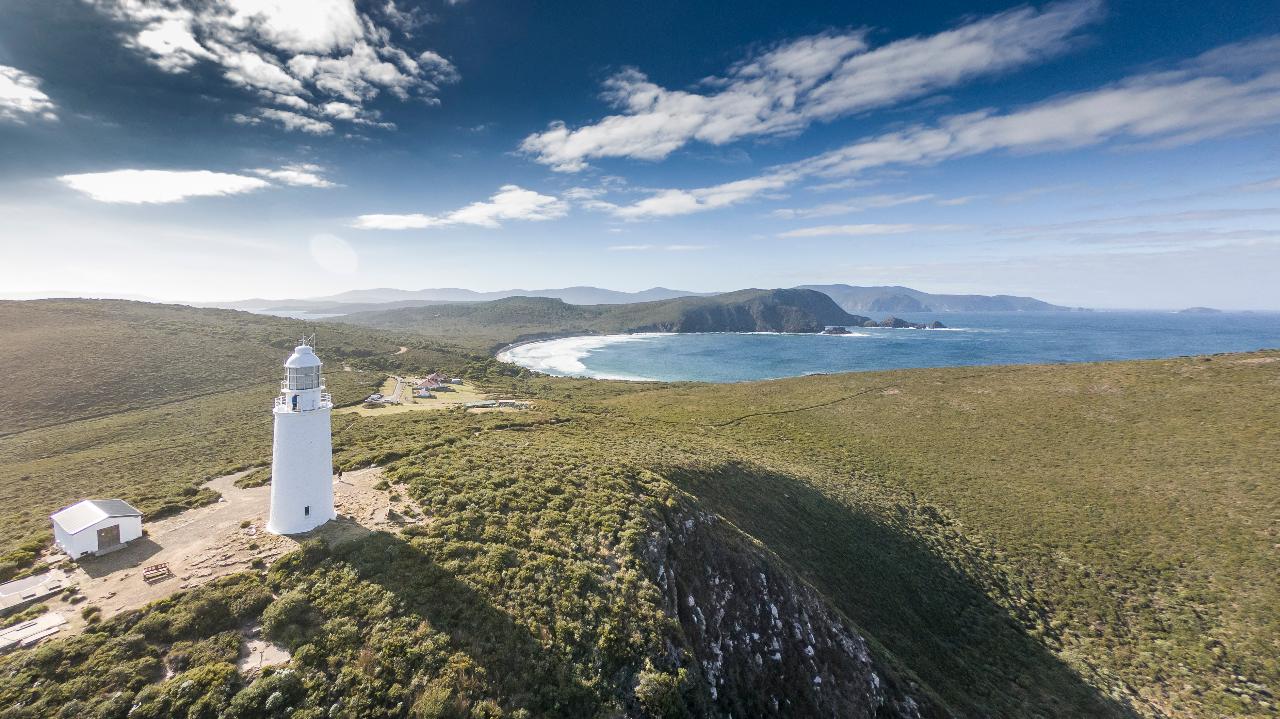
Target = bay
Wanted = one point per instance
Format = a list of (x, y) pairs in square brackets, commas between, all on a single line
[(970, 339)]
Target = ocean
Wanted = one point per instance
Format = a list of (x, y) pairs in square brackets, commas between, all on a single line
[(970, 339)]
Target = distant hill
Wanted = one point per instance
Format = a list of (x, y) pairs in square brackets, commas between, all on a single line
[(66, 360), (753, 310), (904, 299), (389, 298), (888, 299)]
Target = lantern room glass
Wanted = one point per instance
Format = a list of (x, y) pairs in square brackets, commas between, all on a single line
[(299, 378)]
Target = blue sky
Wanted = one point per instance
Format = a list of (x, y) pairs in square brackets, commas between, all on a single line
[(1119, 154)]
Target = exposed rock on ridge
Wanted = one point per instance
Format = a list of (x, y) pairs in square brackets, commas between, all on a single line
[(766, 643)]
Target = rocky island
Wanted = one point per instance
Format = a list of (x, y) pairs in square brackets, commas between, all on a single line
[(897, 323)]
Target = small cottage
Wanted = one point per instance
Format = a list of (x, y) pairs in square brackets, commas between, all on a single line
[(95, 526), (434, 381)]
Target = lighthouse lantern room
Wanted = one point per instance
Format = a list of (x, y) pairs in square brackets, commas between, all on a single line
[(302, 456)]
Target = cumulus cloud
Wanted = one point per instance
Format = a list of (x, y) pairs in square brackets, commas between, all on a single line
[(165, 186), (159, 186), (1229, 90), (511, 202), (810, 79), (297, 175), (286, 119), (303, 55), (21, 98)]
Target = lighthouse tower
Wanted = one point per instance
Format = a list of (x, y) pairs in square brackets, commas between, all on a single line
[(302, 458)]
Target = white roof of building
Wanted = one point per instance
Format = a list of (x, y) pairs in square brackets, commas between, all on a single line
[(88, 512), (303, 356)]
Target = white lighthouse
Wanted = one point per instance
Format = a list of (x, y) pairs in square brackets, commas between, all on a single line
[(302, 457)]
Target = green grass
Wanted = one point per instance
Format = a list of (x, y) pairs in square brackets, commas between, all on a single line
[(1060, 541), (68, 360), (147, 402), (1125, 513)]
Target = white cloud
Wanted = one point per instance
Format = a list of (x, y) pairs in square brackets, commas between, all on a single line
[(868, 230), (415, 221), (295, 54), (248, 68), (511, 202), (170, 43), (288, 120), (856, 204), (1233, 89), (815, 78), (669, 203), (299, 25), (296, 175), (340, 110), (21, 98), (159, 186), (957, 201), (292, 101), (405, 20)]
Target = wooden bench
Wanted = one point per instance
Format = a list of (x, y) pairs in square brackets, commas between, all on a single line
[(156, 572)]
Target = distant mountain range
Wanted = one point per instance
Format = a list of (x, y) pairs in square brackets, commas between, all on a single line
[(904, 299), (850, 298), (391, 298), (752, 310)]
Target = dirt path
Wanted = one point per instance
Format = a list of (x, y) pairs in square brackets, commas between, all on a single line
[(202, 544)]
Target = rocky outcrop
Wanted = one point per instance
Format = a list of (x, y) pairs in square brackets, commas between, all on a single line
[(743, 311), (897, 323), (762, 642)]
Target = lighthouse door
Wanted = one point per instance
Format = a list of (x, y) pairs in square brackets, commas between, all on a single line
[(295, 403)]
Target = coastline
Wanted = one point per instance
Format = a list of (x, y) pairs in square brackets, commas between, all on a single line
[(977, 340)]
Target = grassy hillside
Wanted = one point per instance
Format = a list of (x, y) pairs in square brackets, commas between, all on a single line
[(146, 402), (1126, 514), (486, 324), (1063, 541), (75, 359)]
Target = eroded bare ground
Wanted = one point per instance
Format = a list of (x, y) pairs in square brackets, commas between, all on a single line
[(202, 544), (256, 652)]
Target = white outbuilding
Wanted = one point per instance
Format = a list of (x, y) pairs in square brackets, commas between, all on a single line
[(95, 526)]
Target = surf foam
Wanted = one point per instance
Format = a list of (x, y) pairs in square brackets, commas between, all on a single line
[(564, 356)]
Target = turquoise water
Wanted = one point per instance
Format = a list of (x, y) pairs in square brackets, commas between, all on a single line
[(972, 339)]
